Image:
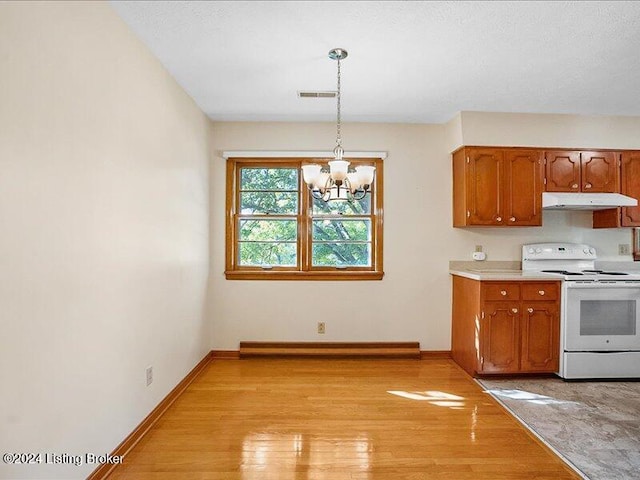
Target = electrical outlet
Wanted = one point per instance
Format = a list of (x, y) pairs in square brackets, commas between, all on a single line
[(478, 248), (149, 375), (321, 327), (624, 249)]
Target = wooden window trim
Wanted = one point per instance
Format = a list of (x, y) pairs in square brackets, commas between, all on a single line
[(303, 270)]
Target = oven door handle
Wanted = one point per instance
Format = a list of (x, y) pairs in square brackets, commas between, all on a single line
[(602, 285)]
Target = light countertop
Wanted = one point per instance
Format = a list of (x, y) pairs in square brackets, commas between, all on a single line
[(503, 274)]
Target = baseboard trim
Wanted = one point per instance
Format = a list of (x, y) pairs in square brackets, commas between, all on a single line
[(225, 354), (435, 354), (331, 349), (104, 470)]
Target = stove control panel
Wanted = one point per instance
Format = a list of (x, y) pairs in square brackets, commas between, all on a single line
[(558, 251)]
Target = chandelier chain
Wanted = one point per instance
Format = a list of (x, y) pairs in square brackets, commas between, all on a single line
[(338, 125)]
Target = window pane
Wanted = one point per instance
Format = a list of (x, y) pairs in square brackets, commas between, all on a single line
[(269, 179), (267, 253), (268, 230), (342, 254), (341, 230), (339, 207), (268, 202)]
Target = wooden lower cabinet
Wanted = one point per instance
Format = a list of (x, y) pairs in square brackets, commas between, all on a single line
[(518, 335), (539, 337), (499, 337)]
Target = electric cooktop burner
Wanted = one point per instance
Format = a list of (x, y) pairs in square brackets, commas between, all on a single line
[(562, 272), (584, 272), (604, 273)]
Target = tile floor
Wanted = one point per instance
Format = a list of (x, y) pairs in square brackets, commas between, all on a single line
[(594, 425)]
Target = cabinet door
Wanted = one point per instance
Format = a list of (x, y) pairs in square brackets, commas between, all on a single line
[(500, 338), (523, 187), (600, 172), (562, 171), (540, 337), (484, 179), (630, 177)]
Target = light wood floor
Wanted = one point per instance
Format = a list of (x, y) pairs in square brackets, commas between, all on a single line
[(338, 419)]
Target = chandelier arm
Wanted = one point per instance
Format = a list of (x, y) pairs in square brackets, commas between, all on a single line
[(359, 194), (315, 193)]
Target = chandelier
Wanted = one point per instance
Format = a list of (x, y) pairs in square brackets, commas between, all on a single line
[(338, 181)]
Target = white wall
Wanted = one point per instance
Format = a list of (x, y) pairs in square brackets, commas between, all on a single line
[(412, 302), (103, 232)]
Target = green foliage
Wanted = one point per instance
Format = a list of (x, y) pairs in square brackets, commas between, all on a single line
[(269, 179), (342, 207), (268, 230), (265, 203), (347, 254), (267, 253), (342, 229)]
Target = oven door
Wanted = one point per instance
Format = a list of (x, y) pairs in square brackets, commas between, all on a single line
[(601, 317)]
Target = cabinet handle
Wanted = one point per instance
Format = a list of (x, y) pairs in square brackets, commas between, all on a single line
[(512, 219), (503, 293), (575, 185), (540, 292), (530, 310), (514, 310), (587, 185), (499, 219)]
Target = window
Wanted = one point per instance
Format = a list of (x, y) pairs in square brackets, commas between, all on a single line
[(277, 230)]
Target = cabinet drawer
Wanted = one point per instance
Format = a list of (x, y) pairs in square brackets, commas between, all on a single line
[(500, 291), (540, 291)]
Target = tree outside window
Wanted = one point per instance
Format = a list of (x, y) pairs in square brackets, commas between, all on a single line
[(277, 230)]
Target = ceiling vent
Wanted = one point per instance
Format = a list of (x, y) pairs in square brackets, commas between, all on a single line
[(309, 94)]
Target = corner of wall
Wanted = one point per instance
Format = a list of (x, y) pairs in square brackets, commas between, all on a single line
[(453, 132)]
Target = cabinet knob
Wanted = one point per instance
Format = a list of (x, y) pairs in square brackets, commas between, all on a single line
[(540, 292), (575, 185), (512, 219), (503, 293), (530, 310), (499, 219), (514, 310), (587, 185)]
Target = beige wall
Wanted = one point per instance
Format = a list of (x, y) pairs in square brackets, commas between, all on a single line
[(542, 130), (412, 302), (103, 232)]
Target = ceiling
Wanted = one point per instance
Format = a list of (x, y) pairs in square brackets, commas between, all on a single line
[(412, 62)]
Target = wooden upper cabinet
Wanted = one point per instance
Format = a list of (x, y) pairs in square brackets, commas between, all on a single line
[(630, 180), (497, 187), (629, 185), (523, 187), (484, 174), (582, 171), (562, 171), (600, 172)]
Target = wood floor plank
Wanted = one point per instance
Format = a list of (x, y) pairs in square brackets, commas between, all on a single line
[(338, 419)]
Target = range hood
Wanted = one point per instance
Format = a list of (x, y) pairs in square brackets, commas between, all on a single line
[(585, 201)]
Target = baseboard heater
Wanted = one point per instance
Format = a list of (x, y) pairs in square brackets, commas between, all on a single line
[(331, 349)]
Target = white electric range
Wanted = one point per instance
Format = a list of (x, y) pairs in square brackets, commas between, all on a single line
[(600, 311)]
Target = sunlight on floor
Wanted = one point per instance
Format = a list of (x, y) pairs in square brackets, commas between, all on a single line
[(528, 397), (288, 454), (434, 397)]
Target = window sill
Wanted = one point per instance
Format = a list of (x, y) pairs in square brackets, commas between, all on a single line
[(289, 275)]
